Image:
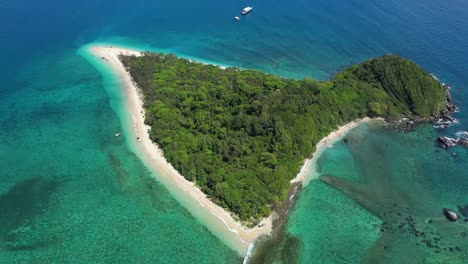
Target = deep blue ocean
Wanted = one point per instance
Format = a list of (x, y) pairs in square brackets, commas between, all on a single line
[(69, 193)]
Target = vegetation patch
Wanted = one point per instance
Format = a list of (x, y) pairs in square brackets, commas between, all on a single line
[(242, 135)]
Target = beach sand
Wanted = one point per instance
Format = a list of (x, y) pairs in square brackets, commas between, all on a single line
[(217, 219)]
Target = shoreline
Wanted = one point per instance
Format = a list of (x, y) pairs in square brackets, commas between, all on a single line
[(217, 219), (309, 169)]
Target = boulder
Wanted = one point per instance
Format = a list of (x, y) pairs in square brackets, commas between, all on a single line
[(447, 142), (451, 215), (463, 210), (463, 142)]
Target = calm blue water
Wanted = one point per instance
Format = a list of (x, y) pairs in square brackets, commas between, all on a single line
[(55, 116)]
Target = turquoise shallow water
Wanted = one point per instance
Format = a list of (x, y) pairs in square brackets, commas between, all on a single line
[(324, 217), (72, 192), (406, 176)]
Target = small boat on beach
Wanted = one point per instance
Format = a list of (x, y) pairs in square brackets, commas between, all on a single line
[(247, 10)]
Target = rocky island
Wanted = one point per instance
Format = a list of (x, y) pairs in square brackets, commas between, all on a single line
[(232, 144), (243, 135)]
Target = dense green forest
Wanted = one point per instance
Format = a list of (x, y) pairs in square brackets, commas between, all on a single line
[(242, 135)]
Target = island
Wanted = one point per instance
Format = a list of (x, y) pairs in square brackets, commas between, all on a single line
[(240, 137)]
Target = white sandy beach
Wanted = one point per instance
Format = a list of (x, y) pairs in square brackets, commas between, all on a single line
[(218, 220)]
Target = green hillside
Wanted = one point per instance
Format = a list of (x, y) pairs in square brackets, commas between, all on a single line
[(242, 135)]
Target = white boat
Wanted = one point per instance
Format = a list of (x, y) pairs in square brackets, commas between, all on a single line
[(117, 134), (247, 10), (237, 18)]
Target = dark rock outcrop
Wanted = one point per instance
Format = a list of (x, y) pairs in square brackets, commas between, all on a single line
[(464, 143), (463, 210), (447, 142), (443, 118), (451, 215)]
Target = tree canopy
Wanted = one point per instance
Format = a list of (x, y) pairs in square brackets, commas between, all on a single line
[(242, 135)]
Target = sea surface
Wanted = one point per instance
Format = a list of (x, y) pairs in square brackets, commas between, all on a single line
[(72, 192)]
